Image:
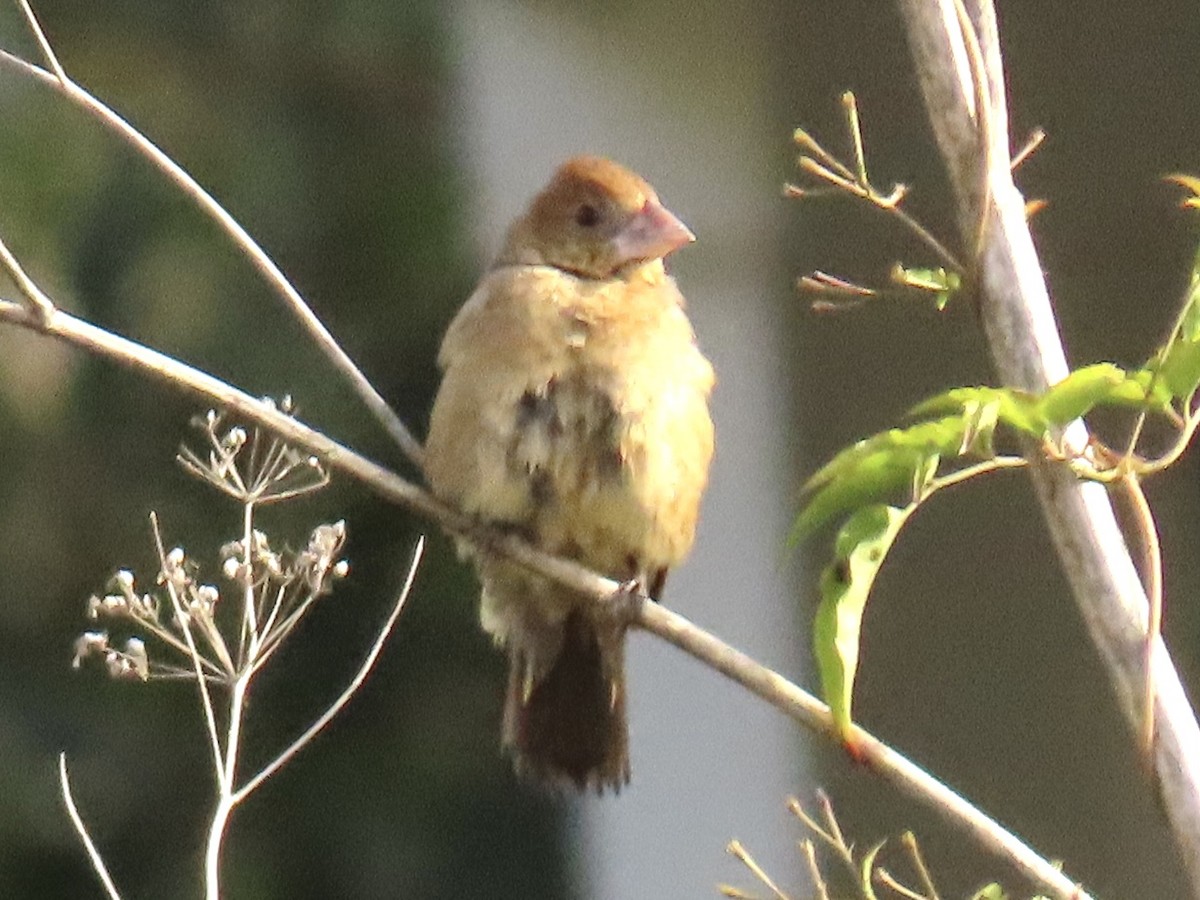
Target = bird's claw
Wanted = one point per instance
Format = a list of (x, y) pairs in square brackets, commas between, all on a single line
[(627, 599)]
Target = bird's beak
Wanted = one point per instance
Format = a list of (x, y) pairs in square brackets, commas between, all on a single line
[(651, 234)]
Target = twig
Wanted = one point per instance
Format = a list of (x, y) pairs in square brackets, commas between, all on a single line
[(652, 617), (81, 829), (744, 857), (888, 204), (257, 256), (884, 877), (43, 43), (368, 663), (914, 851), (1035, 140), (184, 620), (814, 871), (39, 303), (1152, 575), (834, 829), (984, 115), (225, 801)]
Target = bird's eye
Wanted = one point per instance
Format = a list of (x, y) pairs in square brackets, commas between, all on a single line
[(587, 216)]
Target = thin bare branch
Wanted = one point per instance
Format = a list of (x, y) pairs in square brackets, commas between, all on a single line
[(834, 828), (39, 303), (1032, 143), (43, 43), (225, 802), (368, 663), (984, 116), (181, 616), (1152, 578), (884, 877), (77, 820), (825, 166), (814, 870), (743, 856), (909, 840)]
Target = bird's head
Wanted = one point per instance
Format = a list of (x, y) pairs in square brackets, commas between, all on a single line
[(595, 219)]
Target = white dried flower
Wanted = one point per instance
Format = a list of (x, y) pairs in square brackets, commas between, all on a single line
[(87, 644)]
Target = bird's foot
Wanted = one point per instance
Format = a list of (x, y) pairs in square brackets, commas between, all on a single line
[(626, 601)]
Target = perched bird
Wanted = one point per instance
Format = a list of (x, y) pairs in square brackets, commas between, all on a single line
[(573, 410)]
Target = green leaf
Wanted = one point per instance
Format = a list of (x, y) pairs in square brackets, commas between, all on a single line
[(876, 469), (1078, 393), (862, 545), (866, 868), (1179, 367), (1014, 408), (940, 282), (1189, 320), (991, 891), (980, 421), (1133, 391), (1178, 364)]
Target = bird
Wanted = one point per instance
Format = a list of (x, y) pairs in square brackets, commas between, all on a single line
[(573, 411)]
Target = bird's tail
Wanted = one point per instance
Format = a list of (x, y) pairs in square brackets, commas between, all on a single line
[(569, 726)]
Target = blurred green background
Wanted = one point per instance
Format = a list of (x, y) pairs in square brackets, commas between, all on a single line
[(338, 133)]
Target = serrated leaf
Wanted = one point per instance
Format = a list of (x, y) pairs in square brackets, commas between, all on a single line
[(1078, 393), (861, 547), (1014, 408), (875, 469)]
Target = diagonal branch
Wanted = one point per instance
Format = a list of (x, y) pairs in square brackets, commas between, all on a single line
[(1025, 346), (652, 617)]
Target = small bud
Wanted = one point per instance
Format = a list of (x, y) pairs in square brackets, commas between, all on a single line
[(135, 653), (205, 598), (234, 439), (114, 604), (88, 643), (117, 665)]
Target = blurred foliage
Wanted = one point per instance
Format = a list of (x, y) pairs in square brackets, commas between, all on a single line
[(324, 129)]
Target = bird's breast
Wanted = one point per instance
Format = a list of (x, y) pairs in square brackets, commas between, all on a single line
[(587, 412)]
